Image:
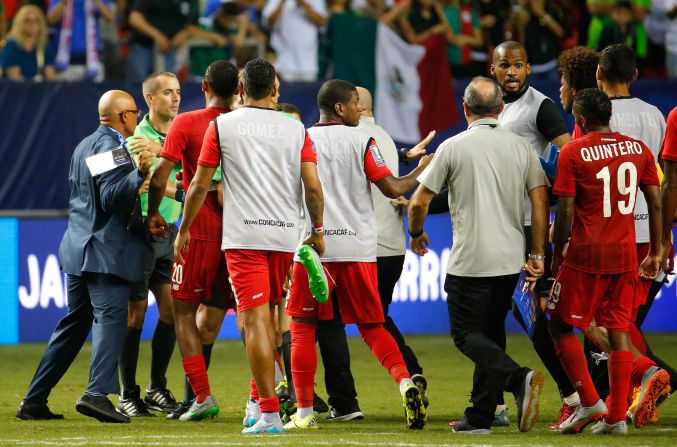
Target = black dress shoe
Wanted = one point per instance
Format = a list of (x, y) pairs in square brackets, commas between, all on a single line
[(28, 411), (100, 408)]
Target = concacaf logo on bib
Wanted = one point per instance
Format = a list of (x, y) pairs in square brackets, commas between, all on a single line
[(376, 153)]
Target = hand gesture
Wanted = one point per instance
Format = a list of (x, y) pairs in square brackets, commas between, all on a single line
[(181, 244), (157, 226), (418, 151), (140, 144), (145, 162), (419, 245), (648, 269), (400, 201), (316, 240), (425, 161), (535, 268), (162, 43)]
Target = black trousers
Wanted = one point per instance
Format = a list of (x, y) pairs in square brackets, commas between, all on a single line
[(389, 270), (600, 372), (477, 310), (338, 379)]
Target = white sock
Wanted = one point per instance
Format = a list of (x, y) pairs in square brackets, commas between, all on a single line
[(500, 408), (253, 406), (404, 382), (270, 418), (304, 412), (572, 400)]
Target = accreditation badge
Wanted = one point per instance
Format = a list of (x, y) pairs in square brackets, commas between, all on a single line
[(107, 161)]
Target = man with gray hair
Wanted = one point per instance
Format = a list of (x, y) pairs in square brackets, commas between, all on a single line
[(487, 169)]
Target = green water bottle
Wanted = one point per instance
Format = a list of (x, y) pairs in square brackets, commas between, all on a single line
[(317, 280)]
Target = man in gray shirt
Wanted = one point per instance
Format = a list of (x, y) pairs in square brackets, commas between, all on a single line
[(487, 169)]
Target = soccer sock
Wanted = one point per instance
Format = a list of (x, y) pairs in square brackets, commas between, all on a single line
[(303, 362), (253, 391), (571, 356), (304, 412), (129, 358), (286, 357), (269, 405), (384, 347), (404, 382), (620, 369), (572, 400), (196, 371), (639, 367), (188, 394), (164, 339), (637, 339)]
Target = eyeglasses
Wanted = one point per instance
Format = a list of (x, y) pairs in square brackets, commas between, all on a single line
[(136, 112)]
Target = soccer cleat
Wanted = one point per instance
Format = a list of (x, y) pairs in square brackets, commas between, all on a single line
[(131, 404), (582, 417), (564, 413), (208, 409), (307, 423), (339, 415), (317, 280), (422, 385), (464, 427), (527, 400), (655, 383), (160, 399), (602, 428), (181, 408), (413, 407), (501, 419), (252, 414), (262, 427), (282, 391), (319, 405)]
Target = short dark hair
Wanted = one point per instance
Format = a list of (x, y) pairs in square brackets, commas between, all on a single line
[(289, 108), (578, 66), (221, 77), (623, 4), (258, 78), (509, 45), (619, 62), (482, 103), (334, 91), (594, 105)]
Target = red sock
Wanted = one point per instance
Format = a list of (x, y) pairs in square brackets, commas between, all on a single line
[(637, 339), (384, 347), (571, 356), (196, 371), (269, 404), (253, 391), (303, 362), (639, 367), (620, 369)]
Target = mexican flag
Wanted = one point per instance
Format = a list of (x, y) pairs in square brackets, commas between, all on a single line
[(412, 83), (414, 94)]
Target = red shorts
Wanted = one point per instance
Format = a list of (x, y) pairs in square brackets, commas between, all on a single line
[(204, 267), (578, 297), (643, 285), (356, 286), (257, 276)]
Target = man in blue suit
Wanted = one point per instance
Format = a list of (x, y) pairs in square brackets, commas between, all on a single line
[(101, 252)]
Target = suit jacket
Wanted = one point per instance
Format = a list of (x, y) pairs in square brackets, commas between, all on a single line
[(99, 237)]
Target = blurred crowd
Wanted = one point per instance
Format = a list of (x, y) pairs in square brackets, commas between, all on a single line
[(74, 40)]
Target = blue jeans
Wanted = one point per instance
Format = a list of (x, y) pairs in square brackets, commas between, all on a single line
[(141, 62)]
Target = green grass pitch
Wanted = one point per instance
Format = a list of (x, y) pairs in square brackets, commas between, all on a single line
[(448, 372)]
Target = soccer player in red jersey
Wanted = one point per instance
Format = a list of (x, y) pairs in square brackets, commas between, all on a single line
[(597, 182), (669, 190), (268, 162), (202, 267), (348, 162)]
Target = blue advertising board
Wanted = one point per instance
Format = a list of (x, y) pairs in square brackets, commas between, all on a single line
[(33, 294)]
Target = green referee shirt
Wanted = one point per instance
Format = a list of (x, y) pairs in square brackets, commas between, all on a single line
[(169, 209)]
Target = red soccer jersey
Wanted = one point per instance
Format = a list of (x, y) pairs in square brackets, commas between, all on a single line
[(183, 143), (669, 152), (211, 149), (577, 133), (602, 171)]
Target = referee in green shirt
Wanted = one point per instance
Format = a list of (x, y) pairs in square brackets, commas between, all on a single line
[(163, 95)]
